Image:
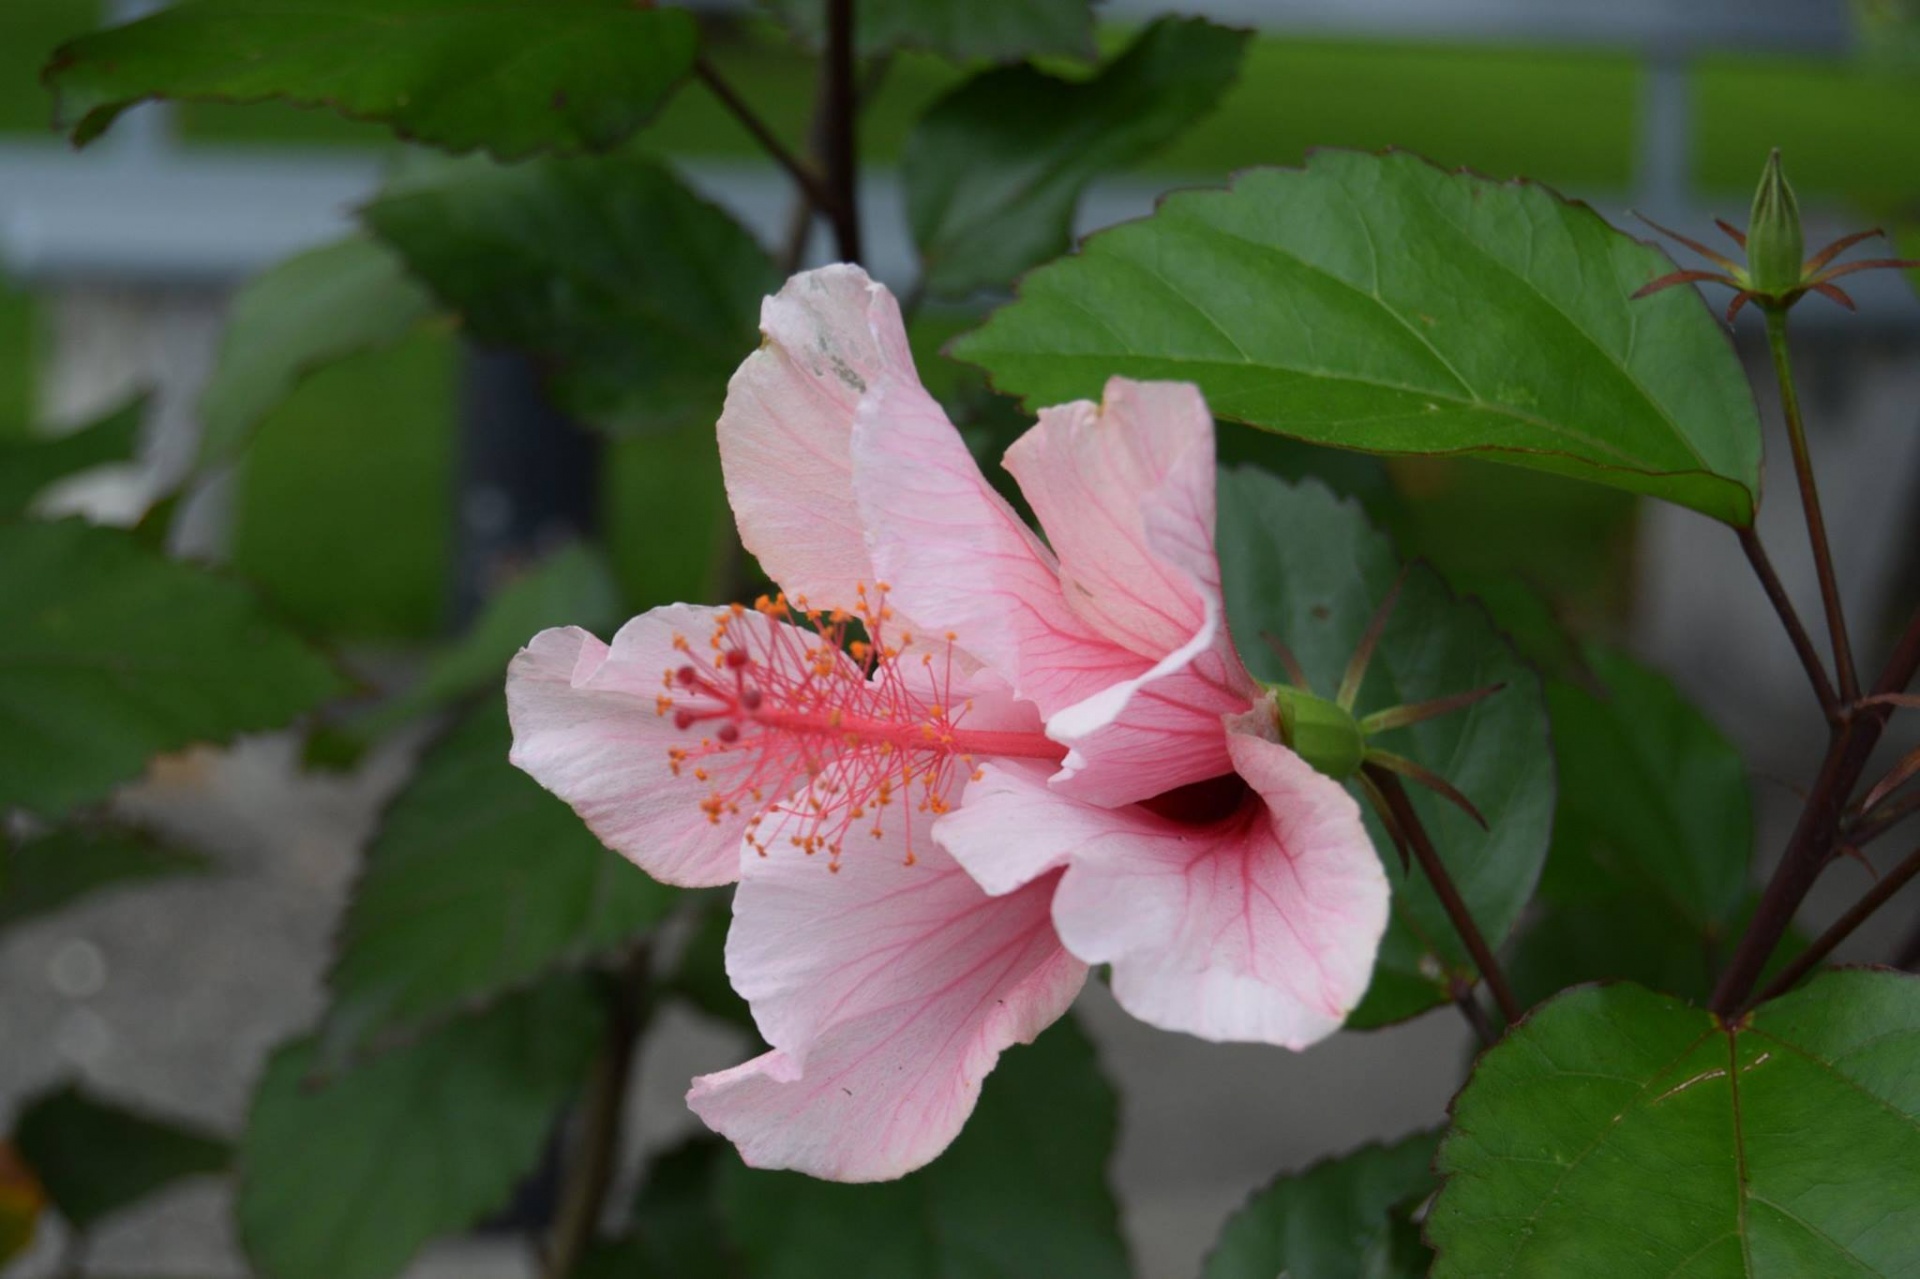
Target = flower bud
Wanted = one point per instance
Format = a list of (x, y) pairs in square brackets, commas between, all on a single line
[(1319, 731), (1774, 242)]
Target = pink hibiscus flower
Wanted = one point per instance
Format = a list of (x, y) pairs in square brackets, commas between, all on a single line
[(1042, 754)]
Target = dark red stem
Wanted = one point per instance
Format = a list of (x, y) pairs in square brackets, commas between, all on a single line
[(1823, 945), (841, 145), (1405, 816), (1812, 844), (1790, 619)]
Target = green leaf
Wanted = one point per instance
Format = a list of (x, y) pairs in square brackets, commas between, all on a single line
[(1621, 1134), (1648, 878), (510, 76), (1310, 570), (998, 30), (676, 1232), (40, 876), (478, 882), (94, 1158), (110, 654), (641, 296), (29, 465), (346, 1178), (995, 169), (1022, 1194), (574, 586), (1345, 1216), (303, 314), (1654, 802), (669, 529), (1375, 302)]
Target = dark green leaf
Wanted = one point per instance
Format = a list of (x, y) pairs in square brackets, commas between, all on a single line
[(1310, 571), (511, 76), (1379, 303), (669, 529), (1648, 877), (572, 587), (1345, 1216), (95, 1158), (677, 1232), (999, 30), (700, 978), (479, 882), (1654, 801), (995, 169), (641, 296), (1620, 1134), (346, 1178), (1022, 1194), (110, 654), (303, 314), (27, 466), (39, 876)]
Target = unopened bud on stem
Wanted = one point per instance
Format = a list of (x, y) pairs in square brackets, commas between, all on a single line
[(1775, 244)]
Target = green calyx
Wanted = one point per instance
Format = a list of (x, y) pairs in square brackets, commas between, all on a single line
[(1323, 733), (1775, 243)]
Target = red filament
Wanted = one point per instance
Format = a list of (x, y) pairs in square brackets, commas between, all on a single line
[(826, 734)]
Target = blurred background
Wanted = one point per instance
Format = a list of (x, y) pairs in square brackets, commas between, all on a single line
[(383, 497)]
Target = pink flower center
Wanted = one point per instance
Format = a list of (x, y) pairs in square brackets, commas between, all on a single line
[(823, 732)]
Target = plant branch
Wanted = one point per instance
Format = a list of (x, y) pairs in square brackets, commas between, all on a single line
[(840, 153), (1876, 822), (809, 182), (1789, 618), (596, 1144), (1823, 945), (1810, 503), (1463, 999), (1811, 846), (1408, 820)]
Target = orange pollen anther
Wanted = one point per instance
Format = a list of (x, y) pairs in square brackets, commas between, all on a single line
[(823, 732)]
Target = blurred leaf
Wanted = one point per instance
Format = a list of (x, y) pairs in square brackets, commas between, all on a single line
[(344, 513), (998, 30), (1654, 801), (306, 312), (1619, 1134), (676, 1232), (700, 978), (110, 654), (30, 465), (479, 882), (346, 1178), (39, 876), (571, 587), (1376, 302), (669, 528), (1310, 570), (1021, 1194), (95, 1158), (1648, 877), (641, 296), (1340, 1217), (995, 169), (511, 76), (22, 1199)]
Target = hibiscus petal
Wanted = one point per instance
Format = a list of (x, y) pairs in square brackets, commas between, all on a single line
[(831, 336), (587, 726), (1125, 492), (888, 992), (958, 558), (1259, 928)]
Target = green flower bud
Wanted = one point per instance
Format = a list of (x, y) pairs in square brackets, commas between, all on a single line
[(1319, 731), (1775, 246)]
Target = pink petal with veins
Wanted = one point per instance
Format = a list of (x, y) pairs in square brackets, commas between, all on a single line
[(888, 991)]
